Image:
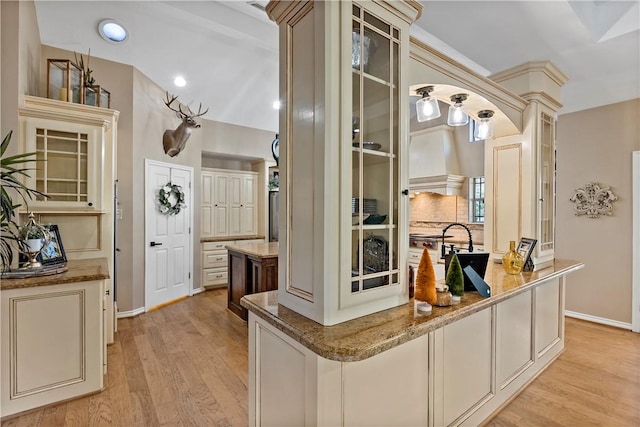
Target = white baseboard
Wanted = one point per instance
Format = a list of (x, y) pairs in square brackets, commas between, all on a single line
[(596, 319), (131, 313), (197, 291)]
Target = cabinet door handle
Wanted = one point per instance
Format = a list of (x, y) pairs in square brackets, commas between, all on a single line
[(405, 192), (155, 244), (90, 204)]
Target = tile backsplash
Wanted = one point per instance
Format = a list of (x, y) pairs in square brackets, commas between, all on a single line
[(429, 213)]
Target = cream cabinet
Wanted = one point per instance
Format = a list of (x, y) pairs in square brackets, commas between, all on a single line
[(74, 146), (53, 345), (228, 203), (214, 263), (77, 145), (343, 146), (457, 374), (215, 269)]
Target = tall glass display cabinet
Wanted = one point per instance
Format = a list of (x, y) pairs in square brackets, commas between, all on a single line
[(343, 148)]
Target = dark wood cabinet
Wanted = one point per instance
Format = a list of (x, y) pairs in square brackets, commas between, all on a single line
[(237, 283), (248, 274)]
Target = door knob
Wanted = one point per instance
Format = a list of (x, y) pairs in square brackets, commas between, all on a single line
[(156, 244)]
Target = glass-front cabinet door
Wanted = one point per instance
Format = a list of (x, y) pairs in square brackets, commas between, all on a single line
[(546, 183), (69, 164), (375, 154)]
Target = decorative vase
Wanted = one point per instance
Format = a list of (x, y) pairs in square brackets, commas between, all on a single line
[(33, 245), (443, 296), (512, 261)]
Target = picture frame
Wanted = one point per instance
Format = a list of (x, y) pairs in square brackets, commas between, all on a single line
[(53, 252), (525, 248)]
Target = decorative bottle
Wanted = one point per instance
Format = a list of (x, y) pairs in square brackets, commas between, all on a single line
[(512, 261)]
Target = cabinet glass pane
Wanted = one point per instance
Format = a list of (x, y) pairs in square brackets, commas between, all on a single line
[(375, 148), (547, 191), (63, 173)]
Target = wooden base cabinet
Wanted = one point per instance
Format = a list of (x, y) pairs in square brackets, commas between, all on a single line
[(52, 344), (459, 374)]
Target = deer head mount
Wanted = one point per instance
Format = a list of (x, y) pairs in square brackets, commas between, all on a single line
[(174, 141)]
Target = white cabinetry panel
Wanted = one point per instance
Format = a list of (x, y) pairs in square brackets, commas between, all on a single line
[(548, 316), (53, 344), (281, 367), (514, 338), (395, 394), (228, 206), (464, 367)]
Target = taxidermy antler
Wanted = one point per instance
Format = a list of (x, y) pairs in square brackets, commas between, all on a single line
[(174, 141)]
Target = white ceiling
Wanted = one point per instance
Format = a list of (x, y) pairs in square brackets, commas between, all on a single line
[(228, 50)]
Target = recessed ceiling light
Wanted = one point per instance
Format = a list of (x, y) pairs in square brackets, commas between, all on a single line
[(276, 105), (112, 31), (179, 81)]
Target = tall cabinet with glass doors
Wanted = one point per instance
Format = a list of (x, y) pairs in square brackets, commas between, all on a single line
[(343, 147)]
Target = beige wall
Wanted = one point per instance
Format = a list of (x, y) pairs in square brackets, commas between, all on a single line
[(151, 118), (236, 140), (595, 145), (20, 53)]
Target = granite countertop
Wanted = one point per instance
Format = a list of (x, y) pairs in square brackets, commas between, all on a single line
[(361, 338), (226, 238), (81, 270), (261, 250)]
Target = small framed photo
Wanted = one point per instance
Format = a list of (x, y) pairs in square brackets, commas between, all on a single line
[(53, 252), (525, 248)]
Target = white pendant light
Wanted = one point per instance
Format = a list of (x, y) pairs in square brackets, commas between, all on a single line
[(484, 125), (456, 116), (427, 107)]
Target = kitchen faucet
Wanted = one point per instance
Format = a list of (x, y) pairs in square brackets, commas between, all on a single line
[(448, 227)]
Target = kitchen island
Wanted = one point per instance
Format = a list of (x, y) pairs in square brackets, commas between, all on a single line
[(253, 267), (457, 365), (53, 337)]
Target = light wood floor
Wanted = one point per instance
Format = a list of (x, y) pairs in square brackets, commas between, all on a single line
[(186, 365)]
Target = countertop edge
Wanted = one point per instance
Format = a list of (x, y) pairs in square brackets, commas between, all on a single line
[(229, 238), (85, 270), (409, 333)]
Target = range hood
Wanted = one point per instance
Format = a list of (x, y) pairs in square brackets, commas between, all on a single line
[(433, 162)]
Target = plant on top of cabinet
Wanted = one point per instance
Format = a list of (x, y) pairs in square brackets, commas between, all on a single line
[(12, 168)]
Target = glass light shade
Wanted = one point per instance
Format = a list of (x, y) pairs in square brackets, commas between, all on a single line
[(427, 108), (484, 129), (456, 116)]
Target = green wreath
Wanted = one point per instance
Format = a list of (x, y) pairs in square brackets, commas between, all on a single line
[(171, 199)]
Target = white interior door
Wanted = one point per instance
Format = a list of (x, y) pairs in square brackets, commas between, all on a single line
[(168, 255)]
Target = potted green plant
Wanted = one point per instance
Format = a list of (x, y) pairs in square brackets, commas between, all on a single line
[(32, 235), (12, 170)]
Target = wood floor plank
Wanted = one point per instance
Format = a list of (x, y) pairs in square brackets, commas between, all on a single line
[(187, 365)]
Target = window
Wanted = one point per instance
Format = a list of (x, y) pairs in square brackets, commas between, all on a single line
[(476, 199), (472, 131)]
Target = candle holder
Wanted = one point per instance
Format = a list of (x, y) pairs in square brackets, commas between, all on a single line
[(64, 81), (97, 96)]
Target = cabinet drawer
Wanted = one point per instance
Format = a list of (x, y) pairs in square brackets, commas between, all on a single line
[(211, 246), (214, 276), (212, 259)]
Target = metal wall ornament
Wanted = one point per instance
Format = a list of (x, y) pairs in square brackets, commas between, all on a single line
[(593, 200)]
